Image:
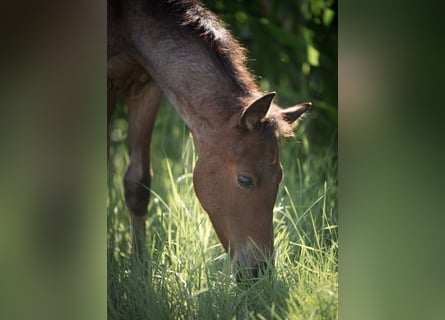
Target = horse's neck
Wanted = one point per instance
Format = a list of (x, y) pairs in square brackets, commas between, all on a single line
[(202, 92)]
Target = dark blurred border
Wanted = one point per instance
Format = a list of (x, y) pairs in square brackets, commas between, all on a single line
[(53, 160), (53, 163), (391, 160)]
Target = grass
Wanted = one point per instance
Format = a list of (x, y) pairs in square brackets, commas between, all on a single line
[(186, 273)]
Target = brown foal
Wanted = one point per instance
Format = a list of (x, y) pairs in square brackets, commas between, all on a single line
[(180, 49)]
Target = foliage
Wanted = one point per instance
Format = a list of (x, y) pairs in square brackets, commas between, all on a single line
[(292, 48)]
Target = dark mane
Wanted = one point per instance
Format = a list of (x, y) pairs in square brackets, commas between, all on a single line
[(231, 55)]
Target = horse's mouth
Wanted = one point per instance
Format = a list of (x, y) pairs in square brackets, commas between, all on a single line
[(250, 267), (249, 274)]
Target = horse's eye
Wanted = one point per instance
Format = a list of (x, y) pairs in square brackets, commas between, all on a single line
[(245, 181)]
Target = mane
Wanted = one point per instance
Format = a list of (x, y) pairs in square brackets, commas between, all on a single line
[(229, 53)]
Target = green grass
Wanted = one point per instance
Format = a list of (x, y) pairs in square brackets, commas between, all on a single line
[(186, 273)]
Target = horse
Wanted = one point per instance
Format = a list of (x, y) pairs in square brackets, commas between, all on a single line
[(179, 49)]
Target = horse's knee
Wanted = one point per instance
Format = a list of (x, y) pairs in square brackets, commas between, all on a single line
[(137, 192)]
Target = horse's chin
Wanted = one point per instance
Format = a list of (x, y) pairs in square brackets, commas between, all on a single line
[(249, 267), (246, 275)]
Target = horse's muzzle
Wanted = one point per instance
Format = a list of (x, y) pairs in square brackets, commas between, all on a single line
[(249, 274)]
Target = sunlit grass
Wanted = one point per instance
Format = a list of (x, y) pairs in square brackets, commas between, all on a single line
[(186, 273)]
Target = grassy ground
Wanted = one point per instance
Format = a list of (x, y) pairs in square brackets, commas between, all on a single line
[(186, 274)]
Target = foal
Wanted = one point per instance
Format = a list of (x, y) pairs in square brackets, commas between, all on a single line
[(180, 49)]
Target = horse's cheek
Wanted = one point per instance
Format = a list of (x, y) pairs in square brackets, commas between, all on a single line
[(204, 184)]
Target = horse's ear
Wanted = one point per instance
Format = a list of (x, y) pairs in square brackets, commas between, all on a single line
[(256, 111), (291, 114)]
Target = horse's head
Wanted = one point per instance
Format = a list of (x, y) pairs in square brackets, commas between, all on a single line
[(236, 179)]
